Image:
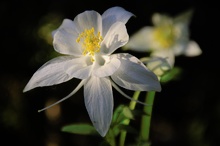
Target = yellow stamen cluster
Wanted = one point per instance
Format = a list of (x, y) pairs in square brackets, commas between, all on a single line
[(165, 35), (90, 41)]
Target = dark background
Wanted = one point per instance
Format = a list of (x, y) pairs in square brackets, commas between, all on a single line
[(186, 112)]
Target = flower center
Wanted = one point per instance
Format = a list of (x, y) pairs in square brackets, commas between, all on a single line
[(165, 35), (90, 42)]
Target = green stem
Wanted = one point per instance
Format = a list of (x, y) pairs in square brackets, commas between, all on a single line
[(146, 119), (110, 138), (127, 121)]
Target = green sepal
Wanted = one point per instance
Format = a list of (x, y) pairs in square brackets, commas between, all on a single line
[(81, 128), (121, 113)]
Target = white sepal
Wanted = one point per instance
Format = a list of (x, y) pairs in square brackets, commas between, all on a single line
[(133, 75), (99, 103), (51, 73)]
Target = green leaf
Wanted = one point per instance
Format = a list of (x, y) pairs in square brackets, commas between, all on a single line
[(171, 75), (83, 129)]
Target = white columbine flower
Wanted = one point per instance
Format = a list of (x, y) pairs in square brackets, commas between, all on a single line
[(169, 37), (87, 43)]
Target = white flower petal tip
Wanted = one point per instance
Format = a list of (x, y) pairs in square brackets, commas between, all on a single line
[(117, 14), (98, 97), (193, 49), (51, 73)]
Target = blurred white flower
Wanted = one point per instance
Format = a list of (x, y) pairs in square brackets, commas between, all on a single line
[(158, 65), (87, 43), (167, 38)]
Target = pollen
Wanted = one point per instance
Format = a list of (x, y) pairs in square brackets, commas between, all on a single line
[(90, 42), (165, 35)]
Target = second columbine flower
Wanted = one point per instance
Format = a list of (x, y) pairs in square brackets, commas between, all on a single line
[(167, 38)]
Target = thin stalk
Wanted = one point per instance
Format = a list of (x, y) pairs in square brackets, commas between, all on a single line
[(127, 121), (146, 119), (110, 138)]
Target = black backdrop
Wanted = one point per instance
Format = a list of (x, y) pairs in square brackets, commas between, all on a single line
[(186, 112)]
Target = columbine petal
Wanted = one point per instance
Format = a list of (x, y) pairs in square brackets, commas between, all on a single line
[(105, 66), (87, 20), (133, 75), (141, 41), (99, 103), (113, 15), (79, 67), (192, 49), (65, 39), (66, 24), (116, 37), (51, 73)]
